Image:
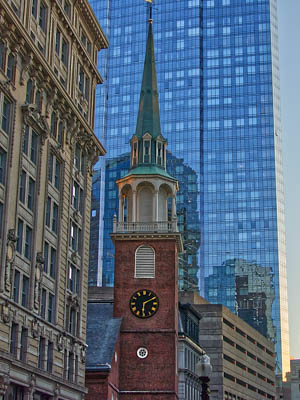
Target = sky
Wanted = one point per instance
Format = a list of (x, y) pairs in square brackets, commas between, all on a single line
[(289, 58)]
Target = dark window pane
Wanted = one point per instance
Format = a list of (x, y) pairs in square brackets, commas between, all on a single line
[(22, 187), (20, 236), (25, 290), (30, 197), (2, 165), (51, 308), (43, 17), (43, 303), (29, 91), (6, 115), (48, 211), (16, 288), (46, 256), (52, 262), (28, 243), (10, 67), (23, 347), (34, 144), (13, 338), (26, 140)]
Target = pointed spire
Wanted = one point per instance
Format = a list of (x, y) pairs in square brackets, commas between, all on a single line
[(148, 115)]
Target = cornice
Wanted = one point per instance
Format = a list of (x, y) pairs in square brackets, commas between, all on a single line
[(101, 44), (176, 236), (93, 23)]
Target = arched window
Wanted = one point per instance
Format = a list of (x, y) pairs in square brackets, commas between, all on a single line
[(144, 262)]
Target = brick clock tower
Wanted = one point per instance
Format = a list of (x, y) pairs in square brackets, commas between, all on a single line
[(147, 243)]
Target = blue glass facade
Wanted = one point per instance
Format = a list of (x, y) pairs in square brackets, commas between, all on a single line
[(218, 82)]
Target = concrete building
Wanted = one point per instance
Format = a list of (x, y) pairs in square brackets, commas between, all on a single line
[(294, 379), (243, 360), (48, 77)]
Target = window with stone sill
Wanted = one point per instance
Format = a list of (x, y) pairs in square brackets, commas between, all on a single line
[(57, 129), (79, 159), (85, 41), (31, 144), (50, 348), (75, 237), (54, 171), (23, 344), (25, 239), (41, 353), (39, 11), (16, 6), (27, 190), (62, 48), (5, 113), (73, 278), (50, 257), (83, 83), (51, 215), (3, 158), (77, 199), (14, 338)]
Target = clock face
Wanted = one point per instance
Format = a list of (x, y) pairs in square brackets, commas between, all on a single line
[(144, 303)]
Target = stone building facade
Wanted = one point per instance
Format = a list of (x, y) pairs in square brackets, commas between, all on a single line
[(242, 359), (48, 77)]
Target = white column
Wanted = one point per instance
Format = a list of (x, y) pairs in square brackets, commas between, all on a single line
[(120, 208), (134, 206), (156, 205), (173, 206)]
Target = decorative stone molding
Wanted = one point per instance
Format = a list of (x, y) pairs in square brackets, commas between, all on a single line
[(38, 277), (10, 256), (35, 328), (33, 117), (4, 382), (27, 61), (83, 353), (59, 342), (5, 313)]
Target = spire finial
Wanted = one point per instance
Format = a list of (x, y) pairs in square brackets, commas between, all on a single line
[(150, 10)]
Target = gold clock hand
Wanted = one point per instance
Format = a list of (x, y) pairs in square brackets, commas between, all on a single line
[(145, 302)]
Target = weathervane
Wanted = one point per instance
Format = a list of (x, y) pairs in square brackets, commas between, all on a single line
[(150, 9)]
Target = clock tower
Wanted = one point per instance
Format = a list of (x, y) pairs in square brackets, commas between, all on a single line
[(147, 243)]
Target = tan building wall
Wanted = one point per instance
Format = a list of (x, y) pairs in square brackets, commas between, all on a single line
[(48, 77), (243, 360)]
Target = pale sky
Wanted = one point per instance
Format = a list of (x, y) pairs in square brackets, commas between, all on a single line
[(289, 53)]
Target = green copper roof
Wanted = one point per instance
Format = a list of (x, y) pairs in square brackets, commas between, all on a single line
[(148, 116), (149, 170)]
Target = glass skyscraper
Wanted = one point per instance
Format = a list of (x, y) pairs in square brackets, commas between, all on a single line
[(218, 82)]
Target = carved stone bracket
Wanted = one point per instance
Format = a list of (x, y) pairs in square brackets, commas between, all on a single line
[(33, 117), (35, 328), (60, 342), (83, 353), (6, 314), (4, 382), (27, 61)]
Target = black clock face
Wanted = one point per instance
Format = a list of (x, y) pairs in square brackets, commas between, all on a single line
[(144, 303)]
